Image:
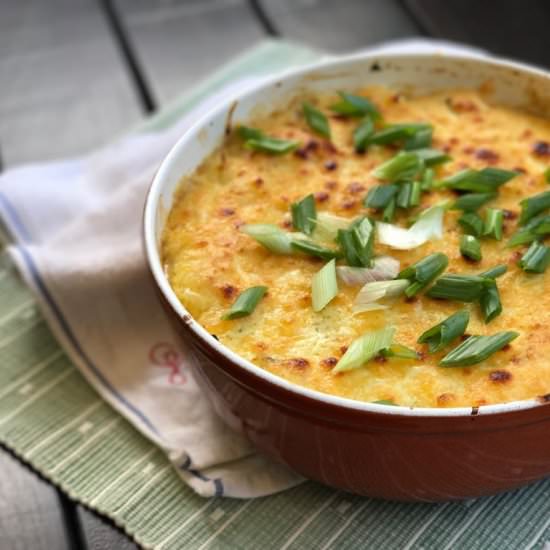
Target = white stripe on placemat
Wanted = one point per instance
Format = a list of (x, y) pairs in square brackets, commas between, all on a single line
[(469, 520), (10, 339), (228, 522), (66, 427), (344, 526), (424, 526), (30, 401), (15, 311), (538, 535)]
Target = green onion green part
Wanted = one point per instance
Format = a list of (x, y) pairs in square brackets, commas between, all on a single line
[(427, 180), (317, 121), (534, 205), (487, 180), (400, 352), (470, 247), (477, 348), (304, 215), (313, 249), (324, 286), (388, 213), (494, 272), (547, 175), (357, 243), (471, 224), (362, 134), (245, 132), (380, 196), (423, 272), (445, 332), (494, 219), (462, 288), (432, 157), (365, 348), (397, 132), (403, 166), (273, 146), (489, 300), (270, 236), (470, 202), (534, 229), (419, 140), (355, 106), (246, 302), (536, 259), (386, 402)]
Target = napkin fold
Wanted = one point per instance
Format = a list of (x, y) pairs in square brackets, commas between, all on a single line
[(76, 227)]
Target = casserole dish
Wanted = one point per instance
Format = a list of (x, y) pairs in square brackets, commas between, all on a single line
[(390, 452)]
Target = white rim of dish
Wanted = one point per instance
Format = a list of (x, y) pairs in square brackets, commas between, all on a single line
[(153, 258)]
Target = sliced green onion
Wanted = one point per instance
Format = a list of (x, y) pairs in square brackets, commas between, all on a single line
[(432, 157), (536, 259), (399, 351), (380, 196), (304, 215), (362, 134), (470, 202), (445, 332), (462, 288), (316, 119), (494, 272), (357, 243), (423, 272), (386, 402), (534, 205), (246, 302), (388, 213), (489, 300), (470, 247), (487, 180), (270, 236), (313, 249), (427, 179), (521, 237), (271, 145), (401, 167), (409, 194), (355, 106), (368, 296), (477, 348), (535, 228), (471, 223), (494, 219), (327, 226), (419, 140), (384, 268), (547, 175), (365, 348), (245, 132), (397, 132), (324, 286)]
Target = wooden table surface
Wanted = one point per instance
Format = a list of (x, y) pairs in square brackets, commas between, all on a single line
[(75, 73)]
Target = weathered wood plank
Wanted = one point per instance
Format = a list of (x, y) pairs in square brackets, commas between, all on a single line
[(502, 27), (64, 87), (30, 515), (340, 26), (182, 41)]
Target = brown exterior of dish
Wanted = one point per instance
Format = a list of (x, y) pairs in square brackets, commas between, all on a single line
[(396, 457)]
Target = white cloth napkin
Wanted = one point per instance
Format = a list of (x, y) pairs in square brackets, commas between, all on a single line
[(76, 226)]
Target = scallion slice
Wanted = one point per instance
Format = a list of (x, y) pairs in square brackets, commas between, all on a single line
[(324, 286), (357, 243), (423, 272), (313, 249), (470, 202), (494, 272), (462, 288), (385, 402), (270, 236), (477, 348), (432, 157), (384, 268), (419, 140), (535, 228), (487, 180), (490, 303), (380, 196), (256, 140), (402, 166), (494, 219), (246, 302), (316, 119), (365, 348), (246, 132), (445, 332), (400, 352), (355, 106), (471, 223), (397, 132), (470, 247), (362, 134), (536, 259), (388, 214), (327, 226), (547, 175), (304, 215), (368, 296), (532, 206), (409, 194), (427, 179)]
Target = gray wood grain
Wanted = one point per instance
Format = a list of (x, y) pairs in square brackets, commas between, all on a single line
[(30, 516), (102, 535), (179, 42), (340, 25), (64, 89)]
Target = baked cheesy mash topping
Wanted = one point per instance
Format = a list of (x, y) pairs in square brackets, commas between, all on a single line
[(376, 246)]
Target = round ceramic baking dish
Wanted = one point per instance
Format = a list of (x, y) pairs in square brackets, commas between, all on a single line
[(398, 453)]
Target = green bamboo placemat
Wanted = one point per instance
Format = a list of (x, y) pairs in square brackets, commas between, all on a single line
[(51, 418)]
